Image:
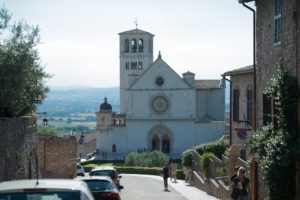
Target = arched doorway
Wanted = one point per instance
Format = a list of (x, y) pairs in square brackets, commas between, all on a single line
[(155, 143), (165, 148), (160, 138)]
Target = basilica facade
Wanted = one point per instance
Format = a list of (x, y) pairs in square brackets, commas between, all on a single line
[(159, 110)]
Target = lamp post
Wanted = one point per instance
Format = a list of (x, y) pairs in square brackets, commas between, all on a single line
[(254, 192)]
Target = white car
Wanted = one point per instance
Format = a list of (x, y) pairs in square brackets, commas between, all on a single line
[(80, 170), (45, 189)]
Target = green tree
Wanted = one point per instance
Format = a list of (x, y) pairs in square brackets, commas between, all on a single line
[(47, 130), (22, 76)]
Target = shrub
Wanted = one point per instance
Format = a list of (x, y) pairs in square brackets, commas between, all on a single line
[(204, 162), (217, 148), (187, 158), (146, 159)]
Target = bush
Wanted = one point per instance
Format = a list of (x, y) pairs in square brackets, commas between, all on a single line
[(204, 162), (187, 158), (217, 148), (146, 159)]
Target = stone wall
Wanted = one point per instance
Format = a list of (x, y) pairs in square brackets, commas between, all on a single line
[(18, 152), (270, 55), (57, 156)]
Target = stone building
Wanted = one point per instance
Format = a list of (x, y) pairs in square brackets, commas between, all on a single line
[(160, 110), (277, 43), (241, 101)]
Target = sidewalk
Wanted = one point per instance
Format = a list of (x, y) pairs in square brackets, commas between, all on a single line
[(188, 191)]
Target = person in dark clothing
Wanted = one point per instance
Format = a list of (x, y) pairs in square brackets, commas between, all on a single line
[(165, 173), (233, 186), (236, 169), (242, 183)]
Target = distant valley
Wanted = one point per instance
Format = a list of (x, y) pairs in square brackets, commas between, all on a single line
[(74, 109)]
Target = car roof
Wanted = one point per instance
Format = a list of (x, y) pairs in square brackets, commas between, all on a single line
[(49, 184), (104, 168), (94, 178)]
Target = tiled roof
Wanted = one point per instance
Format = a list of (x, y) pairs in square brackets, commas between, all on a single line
[(135, 31), (240, 71)]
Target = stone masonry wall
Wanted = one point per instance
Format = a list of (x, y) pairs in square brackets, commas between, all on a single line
[(18, 148), (57, 156), (269, 55)]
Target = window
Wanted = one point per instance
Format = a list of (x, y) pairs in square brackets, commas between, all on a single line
[(236, 104), (277, 22), (133, 65), (114, 148), (127, 65), (159, 81), (267, 110), (133, 45), (141, 45), (126, 46), (249, 106), (140, 65)]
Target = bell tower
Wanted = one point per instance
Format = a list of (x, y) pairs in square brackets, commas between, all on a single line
[(136, 55)]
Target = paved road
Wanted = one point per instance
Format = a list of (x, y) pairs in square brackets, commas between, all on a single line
[(146, 188)]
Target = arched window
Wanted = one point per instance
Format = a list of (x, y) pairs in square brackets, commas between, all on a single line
[(114, 148), (126, 46), (133, 45), (141, 45), (140, 65), (249, 105), (236, 105)]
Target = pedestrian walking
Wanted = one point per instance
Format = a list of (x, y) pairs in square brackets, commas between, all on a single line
[(173, 168), (241, 185), (165, 174)]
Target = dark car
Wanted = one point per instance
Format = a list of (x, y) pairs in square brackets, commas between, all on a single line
[(102, 187), (107, 171)]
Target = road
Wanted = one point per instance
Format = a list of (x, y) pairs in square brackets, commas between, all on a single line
[(146, 188)]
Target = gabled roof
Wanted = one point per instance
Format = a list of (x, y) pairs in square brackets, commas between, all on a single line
[(135, 31), (160, 62), (240, 71), (208, 84)]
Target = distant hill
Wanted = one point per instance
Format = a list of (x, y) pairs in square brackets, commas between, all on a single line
[(63, 102)]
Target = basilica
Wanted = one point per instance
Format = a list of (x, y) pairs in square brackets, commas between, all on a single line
[(159, 109)]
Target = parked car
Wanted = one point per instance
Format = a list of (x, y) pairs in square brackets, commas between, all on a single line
[(107, 171), (102, 187), (50, 189), (80, 170)]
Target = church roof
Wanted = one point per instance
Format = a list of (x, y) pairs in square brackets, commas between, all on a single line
[(160, 62), (240, 71), (105, 105), (208, 84), (135, 31)]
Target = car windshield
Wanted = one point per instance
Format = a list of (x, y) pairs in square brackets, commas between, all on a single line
[(102, 173), (99, 185), (41, 196)]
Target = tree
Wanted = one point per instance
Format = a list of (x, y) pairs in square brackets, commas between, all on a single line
[(47, 130), (22, 76)]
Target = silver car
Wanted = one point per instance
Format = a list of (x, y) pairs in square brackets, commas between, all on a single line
[(45, 189)]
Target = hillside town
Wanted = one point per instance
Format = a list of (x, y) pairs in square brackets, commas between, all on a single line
[(165, 118)]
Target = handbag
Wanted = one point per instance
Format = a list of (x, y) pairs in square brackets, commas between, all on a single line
[(234, 193)]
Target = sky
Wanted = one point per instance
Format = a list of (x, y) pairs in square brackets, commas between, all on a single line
[(80, 42)]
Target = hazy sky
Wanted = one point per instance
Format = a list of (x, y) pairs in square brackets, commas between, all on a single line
[(80, 42)]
